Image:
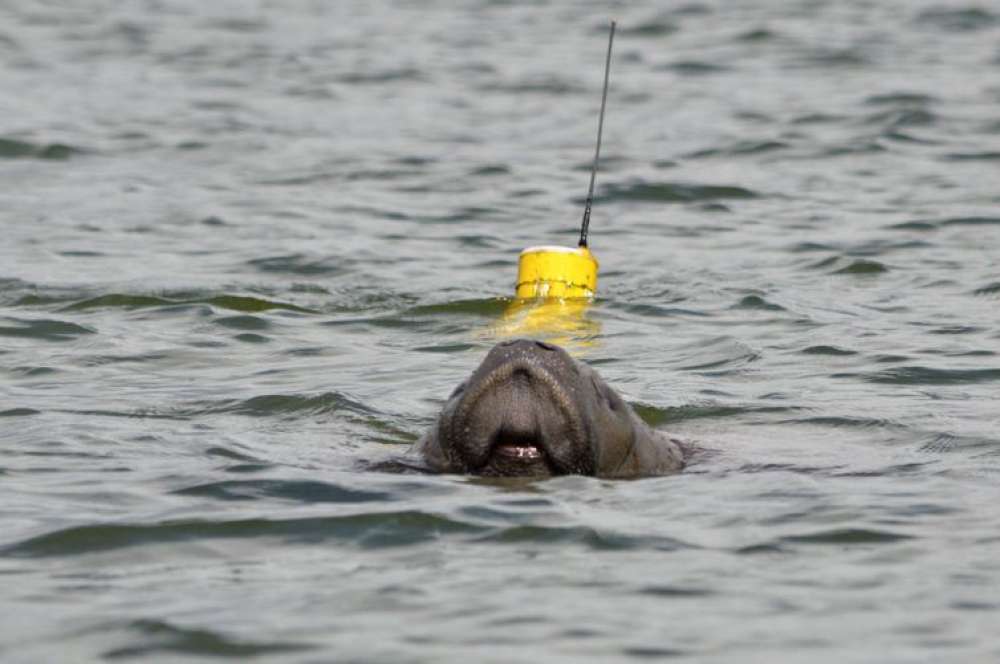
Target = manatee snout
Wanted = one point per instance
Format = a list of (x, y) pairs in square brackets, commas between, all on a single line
[(519, 414), (530, 409)]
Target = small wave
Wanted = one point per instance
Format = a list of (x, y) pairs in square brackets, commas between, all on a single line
[(19, 412), (817, 118), (445, 348), (837, 421), (693, 68), (832, 58), (33, 371), (46, 329), (16, 149), (227, 453), (235, 24), (298, 178), (935, 224), (299, 264), (944, 442), (656, 416), (591, 538), (381, 77), (674, 591), (905, 117), (966, 19), (973, 156), (487, 307), (460, 216), (898, 136), (930, 376), (81, 253), (380, 174), (739, 149), (900, 99), (757, 303), (970, 221), (827, 350), (758, 35), (233, 302), (843, 265), (720, 355), (657, 310), (124, 358), (116, 300), (9, 42), (251, 338), (647, 28), (853, 147), (268, 405), (243, 322), (846, 537), (989, 289), (161, 637), (368, 530), (692, 9), (654, 652), (863, 267), (488, 170), (914, 226), (956, 329), (549, 85), (672, 192), (298, 491)]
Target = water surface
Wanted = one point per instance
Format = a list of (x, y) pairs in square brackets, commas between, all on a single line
[(249, 248)]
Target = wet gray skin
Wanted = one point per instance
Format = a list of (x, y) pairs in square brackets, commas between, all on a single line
[(531, 410)]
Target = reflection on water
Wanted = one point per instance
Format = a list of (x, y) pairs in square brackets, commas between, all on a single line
[(563, 322)]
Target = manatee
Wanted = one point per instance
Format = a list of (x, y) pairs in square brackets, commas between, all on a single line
[(531, 410)]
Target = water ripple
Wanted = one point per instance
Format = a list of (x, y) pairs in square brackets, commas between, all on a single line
[(243, 303), (370, 530), (740, 148), (301, 265), (44, 329), (160, 637), (298, 491), (917, 375), (11, 148), (671, 192), (847, 537), (966, 19), (268, 405)]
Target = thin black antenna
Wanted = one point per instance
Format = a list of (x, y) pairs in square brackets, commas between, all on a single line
[(597, 153)]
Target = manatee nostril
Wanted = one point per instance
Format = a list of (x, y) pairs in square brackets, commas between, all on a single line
[(521, 373), (544, 346)]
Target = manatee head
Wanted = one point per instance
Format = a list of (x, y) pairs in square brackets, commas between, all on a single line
[(531, 410)]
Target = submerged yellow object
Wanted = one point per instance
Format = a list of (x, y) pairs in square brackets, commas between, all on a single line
[(560, 321), (556, 272)]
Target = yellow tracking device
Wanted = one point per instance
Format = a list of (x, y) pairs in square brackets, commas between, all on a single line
[(566, 273), (556, 272)]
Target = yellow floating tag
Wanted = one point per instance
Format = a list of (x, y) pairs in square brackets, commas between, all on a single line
[(556, 272)]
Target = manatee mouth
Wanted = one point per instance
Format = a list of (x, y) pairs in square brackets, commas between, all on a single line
[(518, 446), (519, 453), (519, 419)]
